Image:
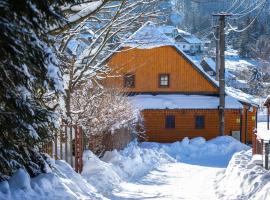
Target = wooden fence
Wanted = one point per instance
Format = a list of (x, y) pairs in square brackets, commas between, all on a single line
[(68, 145), (261, 146)]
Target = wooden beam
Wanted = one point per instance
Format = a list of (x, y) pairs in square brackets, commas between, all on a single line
[(268, 116)]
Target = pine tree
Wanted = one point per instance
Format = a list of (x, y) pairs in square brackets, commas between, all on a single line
[(28, 70)]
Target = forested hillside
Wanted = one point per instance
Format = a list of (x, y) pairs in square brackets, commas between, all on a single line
[(253, 14)]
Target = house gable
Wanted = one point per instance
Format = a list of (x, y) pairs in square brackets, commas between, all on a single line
[(147, 64)]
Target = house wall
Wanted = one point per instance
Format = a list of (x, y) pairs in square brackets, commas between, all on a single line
[(147, 64), (251, 123), (185, 124)]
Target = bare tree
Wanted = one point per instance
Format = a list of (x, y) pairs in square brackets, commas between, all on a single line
[(106, 24), (103, 110)]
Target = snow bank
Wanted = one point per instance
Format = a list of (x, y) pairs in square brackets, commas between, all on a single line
[(61, 183), (215, 153), (138, 160), (118, 166), (244, 179)]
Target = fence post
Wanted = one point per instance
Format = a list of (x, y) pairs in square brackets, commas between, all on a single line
[(55, 146), (66, 145), (71, 146), (266, 146), (254, 144), (78, 149)]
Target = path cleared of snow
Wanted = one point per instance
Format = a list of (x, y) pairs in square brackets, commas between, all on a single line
[(188, 169), (172, 181)]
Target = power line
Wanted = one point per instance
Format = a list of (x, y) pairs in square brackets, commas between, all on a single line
[(251, 23), (243, 13)]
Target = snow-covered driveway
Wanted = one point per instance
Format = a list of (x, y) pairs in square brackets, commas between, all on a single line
[(188, 169), (173, 181)]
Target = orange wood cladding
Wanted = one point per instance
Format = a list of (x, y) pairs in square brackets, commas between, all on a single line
[(147, 64), (185, 124)]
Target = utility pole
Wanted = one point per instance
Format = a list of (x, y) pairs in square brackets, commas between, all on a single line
[(217, 52), (222, 17)]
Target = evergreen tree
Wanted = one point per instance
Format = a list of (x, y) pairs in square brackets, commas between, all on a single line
[(28, 70), (255, 82)]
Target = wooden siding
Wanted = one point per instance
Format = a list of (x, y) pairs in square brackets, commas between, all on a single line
[(185, 124), (147, 64), (251, 123)]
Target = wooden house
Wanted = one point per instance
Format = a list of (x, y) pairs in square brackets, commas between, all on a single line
[(177, 98), (187, 42)]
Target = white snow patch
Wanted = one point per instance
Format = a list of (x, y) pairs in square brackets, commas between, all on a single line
[(61, 183), (119, 172), (181, 102), (244, 179)]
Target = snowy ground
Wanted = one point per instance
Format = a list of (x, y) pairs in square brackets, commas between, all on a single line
[(190, 169), (182, 170), (172, 181)]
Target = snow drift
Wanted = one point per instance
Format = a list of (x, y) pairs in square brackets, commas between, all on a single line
[(61, 183), (100, 177), (244, 179), (138, 160)]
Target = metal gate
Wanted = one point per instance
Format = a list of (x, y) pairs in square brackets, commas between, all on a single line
[(68, 145)]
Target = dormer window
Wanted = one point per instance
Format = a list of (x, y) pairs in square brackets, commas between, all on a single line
[(129, 80), (164, 80)]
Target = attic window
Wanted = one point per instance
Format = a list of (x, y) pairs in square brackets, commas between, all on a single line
[(164, 80), (129, 80)]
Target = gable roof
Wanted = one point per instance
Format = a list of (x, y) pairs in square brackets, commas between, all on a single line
[(148, 37), (189, 38), (210, 62)]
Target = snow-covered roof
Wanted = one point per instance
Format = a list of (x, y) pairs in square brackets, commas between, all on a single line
[(170, 29), (267, 100), (210, 62), (241, 96), (148, 36), (174, 101), (191, 39), (167, 29)]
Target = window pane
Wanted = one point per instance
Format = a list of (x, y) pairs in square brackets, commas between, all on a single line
[(199, 122), (163, 80), (129, 80), (170, 121)]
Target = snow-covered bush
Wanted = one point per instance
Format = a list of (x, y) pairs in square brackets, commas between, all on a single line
[(102, 110)]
